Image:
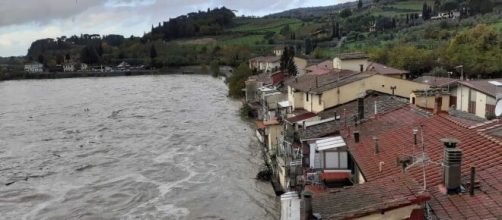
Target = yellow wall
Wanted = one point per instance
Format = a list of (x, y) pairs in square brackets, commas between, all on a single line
[(395, 214), (352, 91), (462, 93), (353, 65), (428, 102), (480, 104), (274, 131), (301, 64)]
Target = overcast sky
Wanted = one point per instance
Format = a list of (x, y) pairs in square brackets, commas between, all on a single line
[(23, 21)]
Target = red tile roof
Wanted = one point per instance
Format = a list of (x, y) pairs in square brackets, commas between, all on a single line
[(483, 86), (260, 125), (268, 59), (352, 56), (335, 176), (436, 81), (301, 117), (485, 204), (369, 198), (324, 82), (394, 131), (321, 68), (385, 70), (269, 78)]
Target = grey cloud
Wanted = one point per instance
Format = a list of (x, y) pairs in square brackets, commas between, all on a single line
[(18, 12), (23, 11)]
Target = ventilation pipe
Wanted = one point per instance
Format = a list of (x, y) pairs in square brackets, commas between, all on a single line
[(452, 165), (473, 180), (415, 132), (356, 136), (360, 108), (377, 147)]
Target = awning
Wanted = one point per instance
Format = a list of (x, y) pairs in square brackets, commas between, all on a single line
[(284, 104), (335, 176), (330, 143)]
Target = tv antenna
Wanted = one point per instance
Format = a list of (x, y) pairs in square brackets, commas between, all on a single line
[(422, 159)]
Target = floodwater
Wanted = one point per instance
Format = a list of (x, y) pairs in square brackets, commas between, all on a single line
[(146, 147)]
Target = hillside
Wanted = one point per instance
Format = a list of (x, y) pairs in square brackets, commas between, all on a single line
[(205, 36)]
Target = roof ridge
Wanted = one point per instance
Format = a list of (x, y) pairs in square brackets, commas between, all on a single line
[(454, 121)]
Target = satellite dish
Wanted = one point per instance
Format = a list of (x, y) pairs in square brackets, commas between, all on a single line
[(498, 108)]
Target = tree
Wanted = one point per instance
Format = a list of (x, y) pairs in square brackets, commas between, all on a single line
[(425, 11), (449, 6), (236, 82), (360, 4), (479, 50), (285, 31), (345, 13), (153, 53), (89, 55), (480, 6), (100, 50), (215, 68), (288, 62), (308, 46)]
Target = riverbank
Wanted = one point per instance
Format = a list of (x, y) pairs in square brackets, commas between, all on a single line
[(225, 70)]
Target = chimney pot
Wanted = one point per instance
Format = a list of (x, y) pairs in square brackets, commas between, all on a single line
[(452, 173), (450, 142), (377, 147)]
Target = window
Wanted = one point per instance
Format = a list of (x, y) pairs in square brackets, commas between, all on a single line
[(336, 160), (307, 97)]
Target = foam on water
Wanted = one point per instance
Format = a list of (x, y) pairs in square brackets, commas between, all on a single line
[(148, 147)]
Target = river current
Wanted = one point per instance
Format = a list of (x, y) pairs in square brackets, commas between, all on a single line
[(146, 147)]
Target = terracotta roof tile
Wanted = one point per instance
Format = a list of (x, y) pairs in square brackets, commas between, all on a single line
[(352, 56), (369, 198), (483, 86), (385, 70), (436, 81), (324, 82), (301, 117), (394, 131)]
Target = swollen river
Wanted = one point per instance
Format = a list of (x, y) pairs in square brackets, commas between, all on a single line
[(148, 147)]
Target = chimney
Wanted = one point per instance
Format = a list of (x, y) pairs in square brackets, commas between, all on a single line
[(336, 116), (437, 107), (356, 136), (452, 165), (377, 147), (304, 125), (361, 66), (360, 108), (307, 205)]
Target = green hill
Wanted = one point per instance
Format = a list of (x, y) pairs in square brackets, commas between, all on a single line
[(205, 36)]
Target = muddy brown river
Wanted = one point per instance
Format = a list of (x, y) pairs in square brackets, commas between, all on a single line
[(146, 147)]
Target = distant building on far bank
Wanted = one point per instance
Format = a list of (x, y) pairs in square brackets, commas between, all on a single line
[(69, 67), (34, 67)]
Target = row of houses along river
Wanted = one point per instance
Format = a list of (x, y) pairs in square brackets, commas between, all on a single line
[(143, 147)]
